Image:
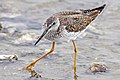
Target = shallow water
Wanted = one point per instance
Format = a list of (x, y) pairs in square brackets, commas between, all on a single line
[(22, 22)]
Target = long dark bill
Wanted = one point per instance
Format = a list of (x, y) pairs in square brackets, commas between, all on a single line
[(46, 30)]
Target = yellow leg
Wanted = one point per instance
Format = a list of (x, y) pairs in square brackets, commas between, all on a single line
[(29, 67), (75, 58)]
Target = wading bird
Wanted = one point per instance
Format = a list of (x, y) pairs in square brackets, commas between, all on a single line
[(68, 25)]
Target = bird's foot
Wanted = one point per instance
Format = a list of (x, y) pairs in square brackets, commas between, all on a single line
[(75, 76), (34, 74), (29, 67)]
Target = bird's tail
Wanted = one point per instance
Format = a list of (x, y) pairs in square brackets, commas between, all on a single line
[(93, 13), (99, 8)]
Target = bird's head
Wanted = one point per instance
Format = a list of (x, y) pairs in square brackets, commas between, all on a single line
[(51, 23)]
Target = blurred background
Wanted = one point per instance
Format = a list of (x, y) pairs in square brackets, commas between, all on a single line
[(21, 25)]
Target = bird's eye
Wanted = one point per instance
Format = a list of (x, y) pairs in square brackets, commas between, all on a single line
[(54, 23)]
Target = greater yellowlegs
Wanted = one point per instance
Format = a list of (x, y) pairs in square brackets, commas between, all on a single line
[(69, 25)]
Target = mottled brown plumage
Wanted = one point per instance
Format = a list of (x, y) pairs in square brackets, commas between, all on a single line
[(66, 24), (69, 23)]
